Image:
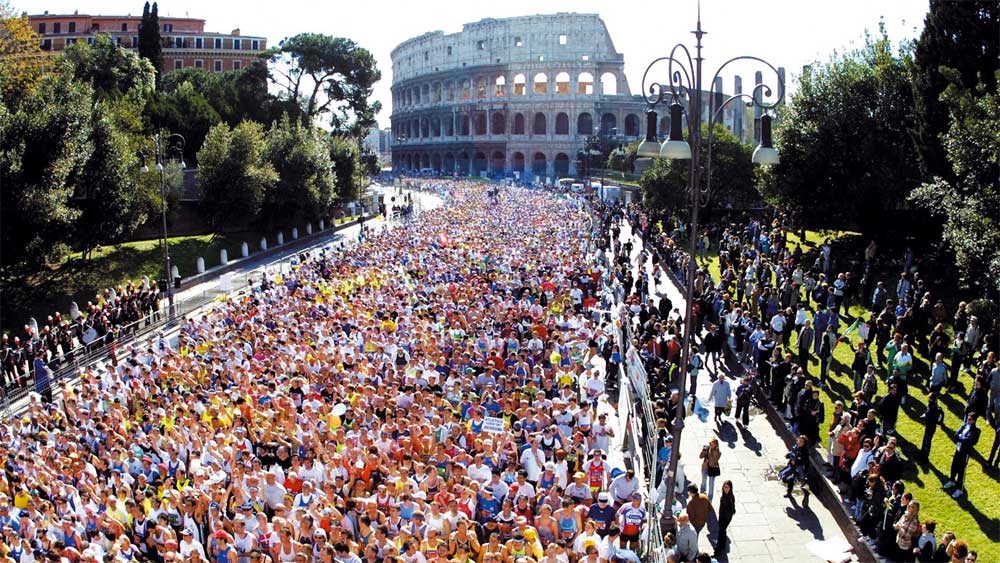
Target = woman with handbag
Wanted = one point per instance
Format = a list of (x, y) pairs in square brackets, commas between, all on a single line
[(710, 469)]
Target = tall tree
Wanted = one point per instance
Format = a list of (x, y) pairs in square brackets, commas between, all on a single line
[(665, 183), (236, 95), (186, 111), (111, 70), (846, 155), (327, 74), (346, 157), (234, 174), (150, 41), (21, 57), (44, 144), (108, 196), (305, 188), (958, 34), (970, 201)]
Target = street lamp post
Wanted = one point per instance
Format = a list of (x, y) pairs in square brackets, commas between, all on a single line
[(591, 148), (684, 79), (165, 148)]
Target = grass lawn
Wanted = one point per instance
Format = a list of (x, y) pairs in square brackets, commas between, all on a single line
[(53, 289), (974, 517)]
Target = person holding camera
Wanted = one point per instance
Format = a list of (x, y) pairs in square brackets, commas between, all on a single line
[(798, 460), (710, 455)]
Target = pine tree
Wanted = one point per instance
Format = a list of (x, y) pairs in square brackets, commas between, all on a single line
[(150, 42)]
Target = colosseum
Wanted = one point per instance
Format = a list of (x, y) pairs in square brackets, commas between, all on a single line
[(514, 97)]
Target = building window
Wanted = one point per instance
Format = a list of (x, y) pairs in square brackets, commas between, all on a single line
[(124, 27), (118, 41), (237, 65), (449, 50), (135, 41), (178, 42), (90, 41), (178, 64), (562, 39), (218, 42), (255, 45), (199, 43), (237, 44), (57, 27), (482, 45), (72, 27), (41, 28), (218, 65), (518, 42), (70, 41), (168, 27), (94, 28), (585, 57), (198, 63), (47, 45), (427, 56)]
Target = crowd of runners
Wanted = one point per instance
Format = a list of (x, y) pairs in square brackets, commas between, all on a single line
[(428, 395)]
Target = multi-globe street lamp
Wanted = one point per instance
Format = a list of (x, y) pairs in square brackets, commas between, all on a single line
[(166, 149), (684, 81)]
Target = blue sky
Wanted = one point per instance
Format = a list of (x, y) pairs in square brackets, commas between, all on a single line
[(787, 33)]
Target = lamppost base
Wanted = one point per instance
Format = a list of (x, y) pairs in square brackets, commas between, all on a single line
[(668, 524)]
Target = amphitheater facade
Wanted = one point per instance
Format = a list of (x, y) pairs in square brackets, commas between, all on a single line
[(518, 97), (515, 96)]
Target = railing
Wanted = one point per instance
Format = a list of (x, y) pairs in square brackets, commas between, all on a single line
[(69, 364), (636, 393)]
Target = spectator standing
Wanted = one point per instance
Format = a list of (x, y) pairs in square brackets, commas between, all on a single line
[(698, 508), (727, 509), (932, 417), (907, 529), (966, 438), (686, 542), (888, 409), (744, 396), (720, 393), (710, 456)]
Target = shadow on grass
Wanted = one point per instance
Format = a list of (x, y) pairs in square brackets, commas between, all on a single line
[(989, 525)]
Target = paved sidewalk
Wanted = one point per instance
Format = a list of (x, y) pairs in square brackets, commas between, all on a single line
[(767, 525)]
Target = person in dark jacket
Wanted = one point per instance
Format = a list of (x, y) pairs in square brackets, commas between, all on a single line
[(931, 418), (890, 466), (727, 508), (798, 461), (888, 409), (979, 400), (714, 342), (966, 438), (811, 414)]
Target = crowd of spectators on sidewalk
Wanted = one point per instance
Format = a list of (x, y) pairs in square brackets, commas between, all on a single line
[(60, 338), (431, 395), (781, 309)]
